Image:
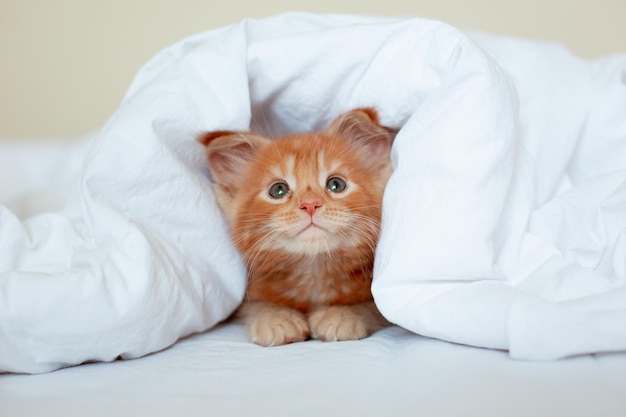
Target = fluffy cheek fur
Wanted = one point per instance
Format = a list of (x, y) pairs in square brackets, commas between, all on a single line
[(344, 222), (350, 219)]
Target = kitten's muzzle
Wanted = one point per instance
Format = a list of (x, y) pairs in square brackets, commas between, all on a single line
[(310, 207)]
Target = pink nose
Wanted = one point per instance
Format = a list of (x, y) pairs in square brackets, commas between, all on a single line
[(310, 207)]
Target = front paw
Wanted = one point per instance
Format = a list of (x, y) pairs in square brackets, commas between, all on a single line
[(350, 322), (274, 325)]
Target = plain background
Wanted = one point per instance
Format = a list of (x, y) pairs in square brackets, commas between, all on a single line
[(65, 64)]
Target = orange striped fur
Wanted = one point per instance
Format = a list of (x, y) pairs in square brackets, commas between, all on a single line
[(304, 211)]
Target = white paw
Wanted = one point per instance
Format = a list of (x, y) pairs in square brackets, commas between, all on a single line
[(334, 323), (273, 325)]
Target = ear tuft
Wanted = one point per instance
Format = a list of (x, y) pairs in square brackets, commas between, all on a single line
[(207, 137)]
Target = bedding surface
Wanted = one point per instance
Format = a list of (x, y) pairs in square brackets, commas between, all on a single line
[(392, 373), (504, 222)]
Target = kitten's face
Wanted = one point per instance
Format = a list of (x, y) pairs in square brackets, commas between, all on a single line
[(304, 194), (308, 194)]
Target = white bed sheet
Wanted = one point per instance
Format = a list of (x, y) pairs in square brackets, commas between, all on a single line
[(392, 373)]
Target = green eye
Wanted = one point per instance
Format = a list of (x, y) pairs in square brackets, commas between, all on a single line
[(278, 190), (335, 185)]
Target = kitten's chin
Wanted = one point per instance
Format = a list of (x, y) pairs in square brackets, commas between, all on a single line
[(312, 232), (311, 240)]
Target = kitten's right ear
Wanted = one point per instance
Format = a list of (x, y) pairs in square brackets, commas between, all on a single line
[(227, 154)]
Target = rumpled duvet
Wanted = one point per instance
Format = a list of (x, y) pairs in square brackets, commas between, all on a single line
[(504, 222)]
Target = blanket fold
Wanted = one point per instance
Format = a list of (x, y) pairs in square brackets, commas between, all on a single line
[(504, 222)]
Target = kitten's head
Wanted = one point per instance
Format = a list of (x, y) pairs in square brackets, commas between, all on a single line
[(305, 193)]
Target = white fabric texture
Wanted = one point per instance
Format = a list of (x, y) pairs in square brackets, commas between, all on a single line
[(392, 373), (504, 222)]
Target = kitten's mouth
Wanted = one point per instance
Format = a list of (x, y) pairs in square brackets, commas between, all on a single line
[(312, 228)]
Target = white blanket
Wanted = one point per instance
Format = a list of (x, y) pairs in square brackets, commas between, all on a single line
[(504, 222)]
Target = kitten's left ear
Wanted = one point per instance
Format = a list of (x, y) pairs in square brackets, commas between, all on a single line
[(362, 128)]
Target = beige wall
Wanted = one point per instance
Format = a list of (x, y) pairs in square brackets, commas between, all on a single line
[(64, 64)]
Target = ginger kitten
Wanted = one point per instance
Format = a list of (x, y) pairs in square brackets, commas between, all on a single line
[(304, 211)]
